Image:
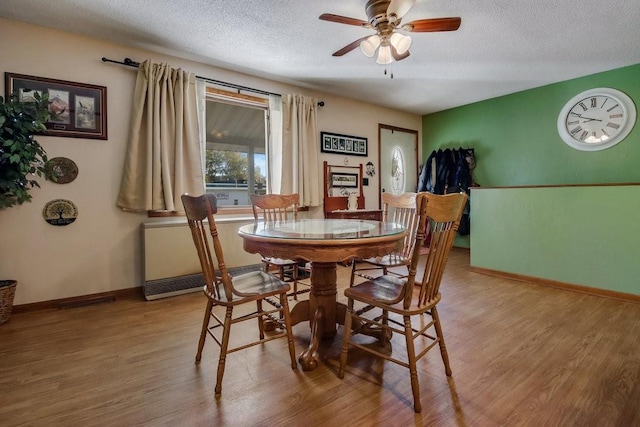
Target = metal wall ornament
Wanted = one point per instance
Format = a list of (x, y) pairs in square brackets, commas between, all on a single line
[(371, 169), (62, 170), (60, 212)]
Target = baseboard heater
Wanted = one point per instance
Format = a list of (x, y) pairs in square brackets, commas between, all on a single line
[(172, 286)]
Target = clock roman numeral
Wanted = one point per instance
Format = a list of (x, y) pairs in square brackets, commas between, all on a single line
[(584, 107), (613, 125), (604, 132), (576, 130), (594, 103), (609, 109), (615, 116), (583, 135)]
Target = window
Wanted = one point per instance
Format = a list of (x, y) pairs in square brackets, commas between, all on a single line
[(235, 155), (397, 171)]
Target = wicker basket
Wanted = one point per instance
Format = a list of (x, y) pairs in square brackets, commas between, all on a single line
[(7, 292)]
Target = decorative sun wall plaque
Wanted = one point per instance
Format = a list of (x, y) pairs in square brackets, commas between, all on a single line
[(60, 212), (64, 169)]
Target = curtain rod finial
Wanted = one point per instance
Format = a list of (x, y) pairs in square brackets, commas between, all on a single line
[(321, 104)]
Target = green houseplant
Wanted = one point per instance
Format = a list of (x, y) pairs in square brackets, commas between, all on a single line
[(21, 159), (21, 156)]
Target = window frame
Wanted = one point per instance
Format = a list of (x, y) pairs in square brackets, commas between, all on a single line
[(248, 101)]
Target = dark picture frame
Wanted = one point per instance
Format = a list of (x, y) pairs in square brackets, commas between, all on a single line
[(343, 144), (344, 180), (80, 108)]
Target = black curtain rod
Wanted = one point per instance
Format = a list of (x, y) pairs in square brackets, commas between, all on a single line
[(131, 63)]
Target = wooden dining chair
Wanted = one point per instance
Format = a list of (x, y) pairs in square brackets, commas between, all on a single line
[(222, 290), (400, 209), (281, 207), (391, 302)]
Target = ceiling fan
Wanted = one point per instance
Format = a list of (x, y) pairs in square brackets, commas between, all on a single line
[(385, 16)]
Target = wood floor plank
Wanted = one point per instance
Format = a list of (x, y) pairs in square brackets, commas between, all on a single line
[(521, 354)]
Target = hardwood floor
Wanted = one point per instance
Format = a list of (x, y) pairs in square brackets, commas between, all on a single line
[(521, 354)]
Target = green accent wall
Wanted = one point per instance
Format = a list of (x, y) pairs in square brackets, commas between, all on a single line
[(516, 140), (516, 143), (585, 235)]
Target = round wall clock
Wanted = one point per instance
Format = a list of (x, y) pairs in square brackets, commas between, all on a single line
[(596, 119)]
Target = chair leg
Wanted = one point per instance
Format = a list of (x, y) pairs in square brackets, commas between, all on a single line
[(294, 278), (203, 332), (223, 349), (353, 272), (386, 333), (260, 319), (288, 326), (413, 371), (346, 336), (443, 348)]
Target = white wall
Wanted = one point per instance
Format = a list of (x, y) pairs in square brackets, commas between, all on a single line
[(102, 250)]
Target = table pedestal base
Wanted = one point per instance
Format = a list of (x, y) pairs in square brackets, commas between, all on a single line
[(321, 310)]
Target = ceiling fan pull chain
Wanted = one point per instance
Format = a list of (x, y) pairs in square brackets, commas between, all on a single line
[(390, 71)]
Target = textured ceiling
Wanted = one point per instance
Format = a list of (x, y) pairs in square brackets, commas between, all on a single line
[(502, 46)]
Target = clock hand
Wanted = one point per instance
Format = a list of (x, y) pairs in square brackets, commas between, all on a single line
[(586, 119)]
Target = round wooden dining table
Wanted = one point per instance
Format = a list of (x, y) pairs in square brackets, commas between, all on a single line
[(323, 242)]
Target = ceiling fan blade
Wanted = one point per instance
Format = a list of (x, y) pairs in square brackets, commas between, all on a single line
[(348, 48), (432, 25), (400, 7), (397, 56), (344, 20)]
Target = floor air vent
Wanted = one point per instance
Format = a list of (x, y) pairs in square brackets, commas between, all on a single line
[(172, 286)]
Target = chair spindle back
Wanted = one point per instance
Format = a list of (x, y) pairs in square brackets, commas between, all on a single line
[(442, 214), (275, 207), (197, 209), (401, 209)]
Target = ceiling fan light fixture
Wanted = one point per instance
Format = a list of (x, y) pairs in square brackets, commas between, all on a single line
[(369, 45), (400, 42), (384, 55)]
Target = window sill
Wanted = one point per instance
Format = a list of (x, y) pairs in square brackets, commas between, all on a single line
[(240, 210)]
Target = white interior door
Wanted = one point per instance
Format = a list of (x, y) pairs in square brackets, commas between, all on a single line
[(398, 159)]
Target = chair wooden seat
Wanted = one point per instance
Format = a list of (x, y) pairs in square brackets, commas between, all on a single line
[(222, 290), (252, 286), (406, 298), (389, 260), (390, 291), (280, 262)]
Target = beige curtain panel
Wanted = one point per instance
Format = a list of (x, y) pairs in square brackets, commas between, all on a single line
[(163, 159), (300, 149)]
